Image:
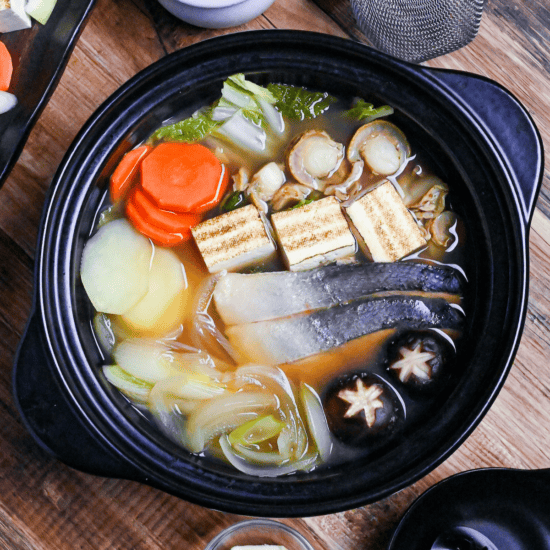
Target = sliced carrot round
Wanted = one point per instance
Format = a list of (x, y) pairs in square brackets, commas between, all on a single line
[(169, 221), (6, 68), (217, 198), (183, 177), (123, 176), (157, 235)]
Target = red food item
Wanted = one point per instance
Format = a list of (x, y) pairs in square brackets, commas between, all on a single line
[(157, 235), (124, 173), (171, 222), (6, 68), (183, 177)]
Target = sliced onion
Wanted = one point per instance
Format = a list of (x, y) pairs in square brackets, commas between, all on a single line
[(259, 457), (145, 359), (293, 438), (225, 413), (317, 422), (155, 360), (167, 418), (306, 463), (190, 386), (192, 361), (285, 443)]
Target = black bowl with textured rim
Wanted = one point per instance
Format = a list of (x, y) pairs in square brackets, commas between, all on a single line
[(476, 131)]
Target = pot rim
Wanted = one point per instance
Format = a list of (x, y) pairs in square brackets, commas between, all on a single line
[(89, 398)]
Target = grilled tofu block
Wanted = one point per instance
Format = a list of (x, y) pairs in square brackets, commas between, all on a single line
[(386, 226), (313, 235), (234, 240), (13, 16)]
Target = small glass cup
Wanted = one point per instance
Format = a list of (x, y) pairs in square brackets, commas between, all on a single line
[(259, 532)]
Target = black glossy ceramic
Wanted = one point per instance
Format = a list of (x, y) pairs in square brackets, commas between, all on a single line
[(488, 509), (39, 56), (475, 133)]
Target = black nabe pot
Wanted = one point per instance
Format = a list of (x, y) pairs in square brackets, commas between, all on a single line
[(474, 131)]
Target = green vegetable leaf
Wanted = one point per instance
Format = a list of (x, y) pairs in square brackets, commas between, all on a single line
[(248, 106), (261, 106), (188, 130), (233, 201), (298, 103), (367, 112), (303, 202), (239, 82)]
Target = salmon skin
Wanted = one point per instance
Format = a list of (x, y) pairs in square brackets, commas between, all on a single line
[(242, 298), (288, 339)]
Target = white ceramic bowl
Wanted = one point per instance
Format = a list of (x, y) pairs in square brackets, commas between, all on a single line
[(216, 14)]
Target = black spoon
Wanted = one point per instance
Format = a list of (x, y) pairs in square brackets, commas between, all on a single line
[(488, 509)]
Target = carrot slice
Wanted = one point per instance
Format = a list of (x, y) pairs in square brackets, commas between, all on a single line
[(163, 219), (157, 235), (217, 198), (124, 173), (183, 177), (6, 68)]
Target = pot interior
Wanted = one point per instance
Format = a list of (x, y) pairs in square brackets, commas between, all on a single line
[(494, 265)]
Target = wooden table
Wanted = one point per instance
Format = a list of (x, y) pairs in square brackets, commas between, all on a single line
[(44, 504)]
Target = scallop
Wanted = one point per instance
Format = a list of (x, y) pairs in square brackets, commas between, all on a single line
[(313, 157), (241, 179), (443, 229), (432, 204), (343, 190), (382, 146), (267, 181), (288, 195)]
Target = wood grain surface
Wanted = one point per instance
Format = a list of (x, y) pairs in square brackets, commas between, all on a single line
[(45, 505)]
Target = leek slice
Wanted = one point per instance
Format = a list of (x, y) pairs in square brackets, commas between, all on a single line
[(134, 388), (256, 431), (225, 413), (262, 470)]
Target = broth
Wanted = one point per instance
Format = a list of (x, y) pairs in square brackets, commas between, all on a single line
[(248, 382)]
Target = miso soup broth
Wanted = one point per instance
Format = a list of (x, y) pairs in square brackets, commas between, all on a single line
[(279, 279)]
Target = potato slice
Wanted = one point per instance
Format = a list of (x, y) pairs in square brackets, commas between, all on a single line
[(163, 307), (115, 267)]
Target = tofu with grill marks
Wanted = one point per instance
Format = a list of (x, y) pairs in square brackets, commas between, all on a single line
[(314, 234), (386, 226), (234, 240)]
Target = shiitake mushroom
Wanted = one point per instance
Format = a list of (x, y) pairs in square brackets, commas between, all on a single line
[(362, 408), (420, 358)]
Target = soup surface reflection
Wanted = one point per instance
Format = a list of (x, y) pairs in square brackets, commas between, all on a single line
[(278, 279)]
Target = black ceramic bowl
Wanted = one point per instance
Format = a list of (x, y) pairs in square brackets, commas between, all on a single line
[(475, 133)]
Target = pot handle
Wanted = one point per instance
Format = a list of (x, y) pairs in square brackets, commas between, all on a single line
[(509, 126), (48, 416)]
